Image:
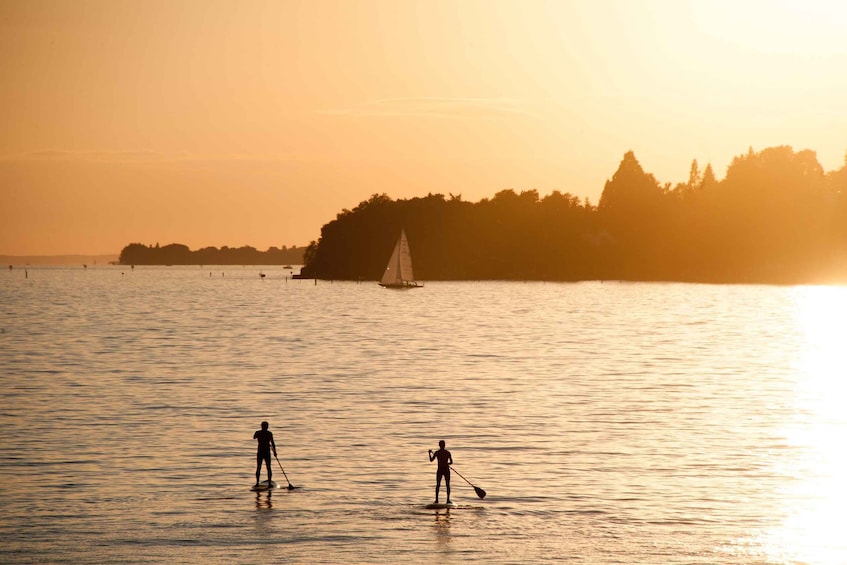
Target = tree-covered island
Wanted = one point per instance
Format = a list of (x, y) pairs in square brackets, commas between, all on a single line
[(776, 217), (178, 254)]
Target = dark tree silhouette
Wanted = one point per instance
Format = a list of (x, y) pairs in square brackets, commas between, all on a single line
[(178, 254), (776, 217), (633, 209)]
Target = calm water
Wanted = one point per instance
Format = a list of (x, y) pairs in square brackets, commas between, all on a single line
[(609, 423)]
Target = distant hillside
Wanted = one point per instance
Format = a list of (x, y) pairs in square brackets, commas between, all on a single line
[(17, 260)]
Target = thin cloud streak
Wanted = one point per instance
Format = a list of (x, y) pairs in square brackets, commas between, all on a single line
[(141, 156), (447, 108)]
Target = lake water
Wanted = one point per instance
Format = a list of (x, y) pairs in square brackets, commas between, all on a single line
[(608, 423)]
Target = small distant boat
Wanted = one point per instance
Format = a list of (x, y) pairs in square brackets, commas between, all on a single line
[(398, 273)]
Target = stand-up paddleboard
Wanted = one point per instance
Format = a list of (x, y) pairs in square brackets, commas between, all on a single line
[(264, 485), (440, 506)]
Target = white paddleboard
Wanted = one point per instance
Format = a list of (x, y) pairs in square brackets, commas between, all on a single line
[(440, 506), (264, 485)]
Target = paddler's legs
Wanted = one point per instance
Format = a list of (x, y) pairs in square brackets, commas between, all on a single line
[(447, 484), (258, 467), (438, 486)]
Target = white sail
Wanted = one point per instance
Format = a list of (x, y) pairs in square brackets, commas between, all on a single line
[(391, 275), (398, 272)]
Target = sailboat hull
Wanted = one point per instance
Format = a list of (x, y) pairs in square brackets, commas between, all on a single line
[(401, 286)]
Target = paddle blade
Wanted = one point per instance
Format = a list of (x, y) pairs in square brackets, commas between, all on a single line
[(479, 492), (290, 486)]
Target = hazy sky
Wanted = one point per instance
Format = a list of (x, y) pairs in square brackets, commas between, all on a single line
[(214, 123)]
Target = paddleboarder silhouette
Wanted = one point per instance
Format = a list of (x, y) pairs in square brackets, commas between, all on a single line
[(266, 443), (444, 462)]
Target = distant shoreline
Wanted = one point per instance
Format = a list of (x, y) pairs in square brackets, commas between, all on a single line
[(22, 260)]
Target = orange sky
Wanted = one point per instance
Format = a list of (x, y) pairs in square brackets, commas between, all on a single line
[(254, 123)]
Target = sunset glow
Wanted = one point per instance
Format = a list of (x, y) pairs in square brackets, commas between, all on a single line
[(223, 123)]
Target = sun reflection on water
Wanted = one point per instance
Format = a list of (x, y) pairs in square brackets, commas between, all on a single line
[(815, 497)]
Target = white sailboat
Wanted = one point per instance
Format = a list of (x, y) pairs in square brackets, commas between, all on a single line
[(398, 273)]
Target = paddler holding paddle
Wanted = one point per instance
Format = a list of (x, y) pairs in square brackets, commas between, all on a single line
[(266, 443), (444, 462)]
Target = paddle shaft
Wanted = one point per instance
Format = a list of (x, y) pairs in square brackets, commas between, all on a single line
[(458, 473), (283, 472)]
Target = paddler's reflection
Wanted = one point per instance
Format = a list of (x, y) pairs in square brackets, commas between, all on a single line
[(263, 500), (441, 527)]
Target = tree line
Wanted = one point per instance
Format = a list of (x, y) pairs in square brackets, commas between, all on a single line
[(178, 254), (776, 217)]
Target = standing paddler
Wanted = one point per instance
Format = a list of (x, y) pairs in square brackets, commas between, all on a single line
[(266, 443), (444, 462)]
